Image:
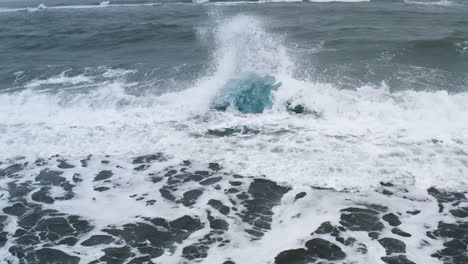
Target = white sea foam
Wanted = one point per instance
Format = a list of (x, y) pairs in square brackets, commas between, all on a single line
[(343, 1), (364, 136), (223, 3), (435, 3), (60, 79), (125, 202), (104, 4)]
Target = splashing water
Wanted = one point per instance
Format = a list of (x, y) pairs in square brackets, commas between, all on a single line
[(251, 94)]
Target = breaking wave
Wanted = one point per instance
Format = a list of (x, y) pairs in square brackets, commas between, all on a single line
[(306, 132)]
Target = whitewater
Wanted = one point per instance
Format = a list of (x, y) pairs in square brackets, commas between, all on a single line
[(358, 134)]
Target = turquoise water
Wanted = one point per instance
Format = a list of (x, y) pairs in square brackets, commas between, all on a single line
[(252, 94)]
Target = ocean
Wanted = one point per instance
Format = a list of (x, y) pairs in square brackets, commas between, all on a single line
[(245, 132)]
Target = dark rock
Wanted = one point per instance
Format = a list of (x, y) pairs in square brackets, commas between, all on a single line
[(55, 256), (102, 175), (398, 231), (19, 232), (300, 109), (150, 202), (19, 190), (49, 177), (80, 225), (210, 181), (69, 241), (58, 225), (97, 240), (141, 260), (347, 242), (214, 166), (165, 193), (414, 212), (460, 212), (149, 158), (232, 190), (28, 239), (190, 197), (362, 248), (39, 162), (235, 183), (455, 230), (359, 219), (151, 251), (3, 238), (42, 196), (64, 165), (229, 262), (262, 188), (156, 179), (264, 195), (454, 247), (400, 259), (17, 209), (387, 192), (116, 255), (195, 177), (374, 235), (170, 173), (445, 197), (297, 109), (219, 224), (256, 233), (141, 233), (101, 189), (17, 251), (391, 219), (186, 223), (142, 167), (76, 178), (261, 224), (30, 219), (202, 173), (84, 163), (300, 195), (195, 252), (12, 170), (294, 256), (327, 228), (392, 245), (320, 248), (218, 205), (243, 196)]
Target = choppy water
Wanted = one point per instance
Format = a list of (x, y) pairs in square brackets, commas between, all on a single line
[(283, 96)]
